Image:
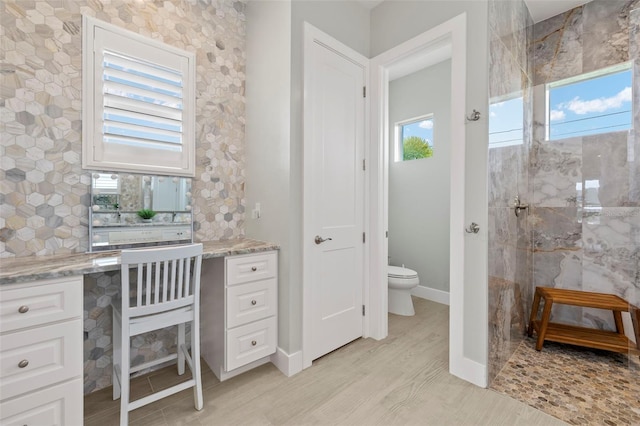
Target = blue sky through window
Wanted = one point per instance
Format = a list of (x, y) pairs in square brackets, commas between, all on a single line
[(596, 105), (505, 123), (422, 129)]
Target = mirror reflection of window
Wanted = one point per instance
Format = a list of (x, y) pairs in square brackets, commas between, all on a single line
[(106, 190)]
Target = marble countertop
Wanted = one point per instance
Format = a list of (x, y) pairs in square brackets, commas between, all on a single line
[(22, 269)]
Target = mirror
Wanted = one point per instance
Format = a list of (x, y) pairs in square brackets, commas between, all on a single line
[(117, 199), (129, 210)]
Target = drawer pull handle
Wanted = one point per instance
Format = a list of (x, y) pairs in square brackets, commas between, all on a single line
[(23, 363), (253, 302), (253, 343), (23, 309), (254, 268)]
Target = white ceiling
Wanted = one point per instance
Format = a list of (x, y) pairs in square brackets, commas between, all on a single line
[(370, 4), (545, 9), (539, 9)]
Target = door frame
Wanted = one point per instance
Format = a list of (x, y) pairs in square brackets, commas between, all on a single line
[(409, 55), (314, 35)]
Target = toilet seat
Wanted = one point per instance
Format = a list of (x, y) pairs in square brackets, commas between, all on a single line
[(401, 272)]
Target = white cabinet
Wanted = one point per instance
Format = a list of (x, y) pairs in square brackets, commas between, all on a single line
[(239, 312), (41, 352)]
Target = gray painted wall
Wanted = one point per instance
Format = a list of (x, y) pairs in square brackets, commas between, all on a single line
[(369, 33), (419, 189), (393, 22), (268, 139), (275, 40)]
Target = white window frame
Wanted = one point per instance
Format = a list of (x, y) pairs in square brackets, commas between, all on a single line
[(97, 155), (398, 146)]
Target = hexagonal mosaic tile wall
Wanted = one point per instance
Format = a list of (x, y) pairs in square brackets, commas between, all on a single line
[(44, 193)]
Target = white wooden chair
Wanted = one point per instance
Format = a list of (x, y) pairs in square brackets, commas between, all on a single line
[(165, 293)]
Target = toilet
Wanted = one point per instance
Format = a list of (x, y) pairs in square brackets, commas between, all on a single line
[(401, 281)]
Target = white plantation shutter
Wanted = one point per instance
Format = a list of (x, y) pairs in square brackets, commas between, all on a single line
[(143, 106)]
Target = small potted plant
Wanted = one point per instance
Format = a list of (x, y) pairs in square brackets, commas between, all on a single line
[(146, 215)]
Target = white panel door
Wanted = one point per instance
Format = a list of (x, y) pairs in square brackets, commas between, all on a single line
[(334, 190)]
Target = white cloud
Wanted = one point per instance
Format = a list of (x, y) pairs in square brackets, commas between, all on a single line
[(426, 124), (557, 114), (492, 114), (582, 107)]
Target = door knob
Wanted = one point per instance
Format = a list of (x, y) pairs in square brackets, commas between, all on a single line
[(320, 240)]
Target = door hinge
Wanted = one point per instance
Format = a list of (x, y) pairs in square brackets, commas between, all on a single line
[(364, 91), (364, 164), (364, 238), (363, 310), (386, 234)]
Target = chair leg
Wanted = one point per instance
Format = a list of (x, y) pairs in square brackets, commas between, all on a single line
[(124, 378), (181, 341), (117, 354), (195, 360)]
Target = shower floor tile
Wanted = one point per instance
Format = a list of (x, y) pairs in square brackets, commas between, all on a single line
[(577, 385)]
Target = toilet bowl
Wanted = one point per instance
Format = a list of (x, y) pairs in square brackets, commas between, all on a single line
[(401, 281)]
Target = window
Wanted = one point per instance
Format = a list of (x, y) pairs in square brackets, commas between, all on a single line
[(414, 138), (139, 103), (505, 122), (597, 102)]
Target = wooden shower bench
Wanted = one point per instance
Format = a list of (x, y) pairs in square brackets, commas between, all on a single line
[(590, 337)]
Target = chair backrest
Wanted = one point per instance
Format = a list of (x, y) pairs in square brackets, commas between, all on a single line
[(167, 278)]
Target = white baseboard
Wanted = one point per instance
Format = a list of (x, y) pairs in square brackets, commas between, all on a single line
[(432, 294), (225, 375), (288, 364), (471, 371)]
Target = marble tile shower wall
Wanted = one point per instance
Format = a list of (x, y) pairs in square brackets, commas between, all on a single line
[(510, 64), (44, 193), (587, 241)]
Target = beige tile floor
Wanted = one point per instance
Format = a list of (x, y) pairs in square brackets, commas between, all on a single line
[(402, 380)]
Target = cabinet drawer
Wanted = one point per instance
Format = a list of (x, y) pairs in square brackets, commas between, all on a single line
[(51, 353), (250, 342), (58, 405), (40, 302), (244, 269), (251, 302)]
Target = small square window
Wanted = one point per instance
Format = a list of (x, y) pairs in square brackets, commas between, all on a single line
[(414, 138), (593, 103)]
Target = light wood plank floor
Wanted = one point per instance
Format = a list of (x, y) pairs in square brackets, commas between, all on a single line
[(402, 380)]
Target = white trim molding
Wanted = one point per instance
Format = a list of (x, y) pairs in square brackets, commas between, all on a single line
[(470, 370), (433, 294), (288, 364), (415, 54)]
